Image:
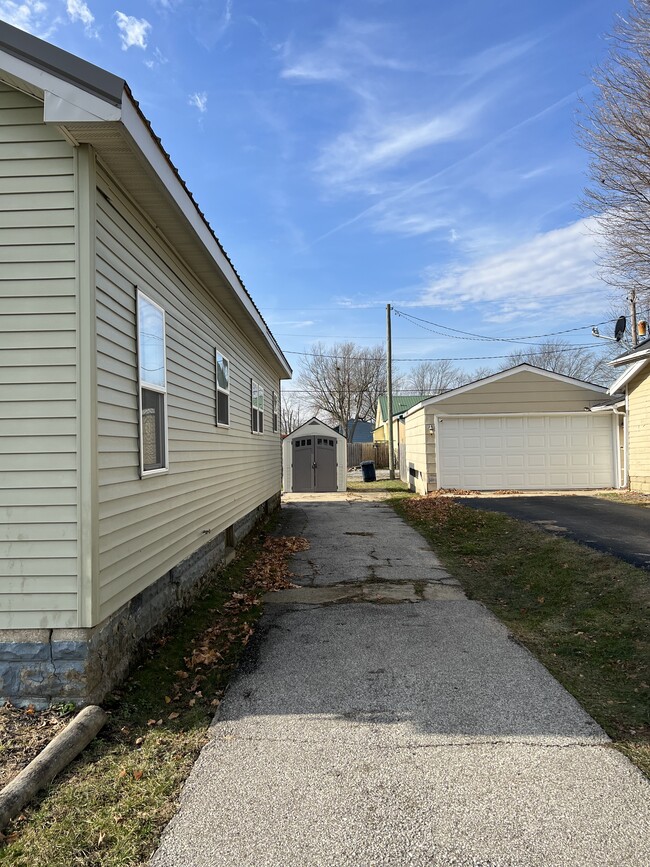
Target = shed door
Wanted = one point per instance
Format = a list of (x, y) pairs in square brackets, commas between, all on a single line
[(325, 460), (546, 452), (302, 460)]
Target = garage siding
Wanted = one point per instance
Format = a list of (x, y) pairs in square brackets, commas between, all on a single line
[(420, 451), (217, 475), (639, 432), (524, 392)]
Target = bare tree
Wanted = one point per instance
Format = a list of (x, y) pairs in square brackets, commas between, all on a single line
[(292, 413), (616, 131), (561, 357), (344, 381), (433, 377)]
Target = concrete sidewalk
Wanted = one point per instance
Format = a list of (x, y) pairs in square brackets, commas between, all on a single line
[(381, 718)]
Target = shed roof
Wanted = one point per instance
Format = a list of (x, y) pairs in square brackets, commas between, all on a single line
[(94, 106)]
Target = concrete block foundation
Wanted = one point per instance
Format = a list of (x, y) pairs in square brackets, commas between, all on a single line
[(80, 666)]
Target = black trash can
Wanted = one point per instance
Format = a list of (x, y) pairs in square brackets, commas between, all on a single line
[(368, 470)]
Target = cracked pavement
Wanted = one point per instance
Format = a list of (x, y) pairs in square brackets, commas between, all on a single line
[(381, 717)]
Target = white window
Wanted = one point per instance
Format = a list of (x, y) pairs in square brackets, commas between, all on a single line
[(223, 389), (257, 407), (152, 376), (275, 412)]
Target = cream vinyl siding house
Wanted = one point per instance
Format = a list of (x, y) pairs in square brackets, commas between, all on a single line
[(523, 428), (120, 488)]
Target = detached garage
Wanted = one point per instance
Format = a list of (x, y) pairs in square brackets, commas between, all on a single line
[(521, 429), (314, 459)]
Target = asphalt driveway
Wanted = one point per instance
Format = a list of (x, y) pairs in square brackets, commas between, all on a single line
[(615, 528)]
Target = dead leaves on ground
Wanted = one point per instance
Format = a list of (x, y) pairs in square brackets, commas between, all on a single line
[(232, 625)]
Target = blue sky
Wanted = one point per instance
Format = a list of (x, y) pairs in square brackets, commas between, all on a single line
[(351, 154)]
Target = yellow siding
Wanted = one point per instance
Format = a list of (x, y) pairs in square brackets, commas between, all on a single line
[(38, 348), (639, 432), (216, 475)]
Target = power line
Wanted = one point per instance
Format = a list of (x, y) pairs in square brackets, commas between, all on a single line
[(462, 358), (470, 335)]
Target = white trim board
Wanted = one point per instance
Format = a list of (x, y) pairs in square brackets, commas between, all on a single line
[(628, 375)]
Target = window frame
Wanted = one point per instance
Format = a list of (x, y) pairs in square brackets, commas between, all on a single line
[(257, 407), (219, 390), (144, 385), (275, 410)]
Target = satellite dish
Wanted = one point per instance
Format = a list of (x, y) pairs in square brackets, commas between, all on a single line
[(619, 328)]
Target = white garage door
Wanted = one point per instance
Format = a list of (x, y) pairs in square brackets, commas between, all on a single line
[(526, 452)]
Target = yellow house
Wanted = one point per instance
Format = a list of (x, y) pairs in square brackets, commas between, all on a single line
[(401, 403), (634, 381)]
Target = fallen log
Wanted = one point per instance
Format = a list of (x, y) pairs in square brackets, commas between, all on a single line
[(50, 761)]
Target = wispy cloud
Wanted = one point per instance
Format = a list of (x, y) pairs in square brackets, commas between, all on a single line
[(497, 56), (555, 272), (200, 101), (33, 16), (133, 31), (353, 45), (379, 143), (410, 189), (158, 59), (80, 11)]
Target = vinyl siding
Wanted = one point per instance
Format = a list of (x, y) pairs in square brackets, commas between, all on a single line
[(639, 432), (216, 475), (38, 357), (420, 452), (521, 392)]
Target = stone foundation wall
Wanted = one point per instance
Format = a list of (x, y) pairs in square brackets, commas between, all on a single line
[(51, 666)]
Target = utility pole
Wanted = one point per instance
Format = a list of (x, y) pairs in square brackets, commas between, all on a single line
[(389, 388), (633, 322)]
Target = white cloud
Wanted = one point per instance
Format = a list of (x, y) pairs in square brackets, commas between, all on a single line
[(555, 272), (30, 15), (378, 143), (200, 101), (79, 11), (133, 31)]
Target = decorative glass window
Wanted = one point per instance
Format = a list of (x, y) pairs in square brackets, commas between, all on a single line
[(275, 411), (223, 389), (152, 376)]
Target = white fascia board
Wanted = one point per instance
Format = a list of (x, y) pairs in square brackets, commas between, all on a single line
[(629, 374), (63, 100), (630, 357), (504, 374), (141, 136), (313, 422)]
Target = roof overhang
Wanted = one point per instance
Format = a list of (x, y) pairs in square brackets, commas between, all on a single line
[(628, 375), (632, 355), (91, 106), (504, 374)]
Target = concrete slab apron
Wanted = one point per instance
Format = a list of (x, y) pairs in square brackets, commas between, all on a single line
[(381, 717)]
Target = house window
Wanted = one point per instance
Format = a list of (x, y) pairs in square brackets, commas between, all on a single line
[(152, 375), (223, 389), (257, 407), (275, 412)]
